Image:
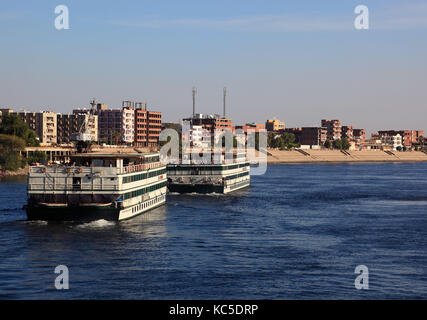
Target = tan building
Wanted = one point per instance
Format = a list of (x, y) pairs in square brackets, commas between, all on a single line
[(69, 124), (274, 125), (43, 123), (6, 111)]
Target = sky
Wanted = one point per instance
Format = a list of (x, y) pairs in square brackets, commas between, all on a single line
[(297, 61)]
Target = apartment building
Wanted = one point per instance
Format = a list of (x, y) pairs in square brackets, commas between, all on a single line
[(44, 124), (359, 135), (274, 125), (133, 124), (393, 141), (154, 127), (69, 124), (256, 127), (333, 128), (210, 122), (409, 137), (148, 126), (309, 136), (347, 132)]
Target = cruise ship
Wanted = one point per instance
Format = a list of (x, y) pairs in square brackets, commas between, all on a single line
[(96, 186), (212, 177)]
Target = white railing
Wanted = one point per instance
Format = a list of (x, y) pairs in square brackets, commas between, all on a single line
[(53, 170), (139, 167), (70, 187)]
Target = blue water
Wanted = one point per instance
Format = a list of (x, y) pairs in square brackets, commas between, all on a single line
[(297, 233)]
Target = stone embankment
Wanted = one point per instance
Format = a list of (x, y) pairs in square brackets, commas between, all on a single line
[(336, 156)]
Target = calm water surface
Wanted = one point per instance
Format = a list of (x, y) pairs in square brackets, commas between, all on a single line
[(297, 233)]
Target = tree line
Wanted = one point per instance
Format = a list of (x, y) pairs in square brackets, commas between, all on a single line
[(15, 135)]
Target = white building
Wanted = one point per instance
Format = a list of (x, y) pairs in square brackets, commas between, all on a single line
[(392, 141)]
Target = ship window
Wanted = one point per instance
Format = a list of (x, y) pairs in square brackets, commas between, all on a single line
[(77, 183)]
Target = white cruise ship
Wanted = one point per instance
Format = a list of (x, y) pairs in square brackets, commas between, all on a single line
[(96, 186), (213, 177)]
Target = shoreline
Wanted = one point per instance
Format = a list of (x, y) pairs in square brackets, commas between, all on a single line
[(316, 157), (337, 156), (341, 162)]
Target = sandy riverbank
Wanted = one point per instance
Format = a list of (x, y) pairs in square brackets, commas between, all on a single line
[(336, 156)]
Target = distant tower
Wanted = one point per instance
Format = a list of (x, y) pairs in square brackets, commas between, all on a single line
[(194, 101), (225, 95), (93, 104)]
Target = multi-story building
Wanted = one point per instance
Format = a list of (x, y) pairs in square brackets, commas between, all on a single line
[(256, 127), (44, 124), (359, 135), (4, 111), (69, 124), (333, 128), (128, 122), (274, 125), (210, 122), (313, 136), (110, 125), (154, 127), (409, 137), (148, 126), (309, 136), (393, 141), (133, 124), (347, 132)]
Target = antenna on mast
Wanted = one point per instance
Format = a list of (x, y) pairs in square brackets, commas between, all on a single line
[(225, 95), (194, 101)]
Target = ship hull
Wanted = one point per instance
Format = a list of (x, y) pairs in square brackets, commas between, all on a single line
[(71, 213), (206, 188), (91, 213)]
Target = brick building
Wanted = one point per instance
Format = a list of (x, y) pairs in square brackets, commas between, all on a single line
[(333, 129), (148, 126), (210, 122), (409, 137), (310, 136)]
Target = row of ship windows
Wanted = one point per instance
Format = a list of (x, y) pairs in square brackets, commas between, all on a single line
[(142, 191), (214, 168), (142, 176), (234, 176), (147, 204)]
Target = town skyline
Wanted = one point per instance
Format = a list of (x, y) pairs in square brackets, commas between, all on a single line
[(166, 119)]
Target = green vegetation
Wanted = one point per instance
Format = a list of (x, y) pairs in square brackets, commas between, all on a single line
[(14, 137), (282, 142), (37, 156), (341, 144), (11, 124), (10, 159)]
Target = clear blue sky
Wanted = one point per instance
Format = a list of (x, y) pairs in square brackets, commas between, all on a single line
[(298, 61)]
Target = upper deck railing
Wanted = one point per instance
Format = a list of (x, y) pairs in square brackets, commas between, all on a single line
[(62, 169), (139, 167)]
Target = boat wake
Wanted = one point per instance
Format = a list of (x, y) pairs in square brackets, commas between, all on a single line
[(97, 224)]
